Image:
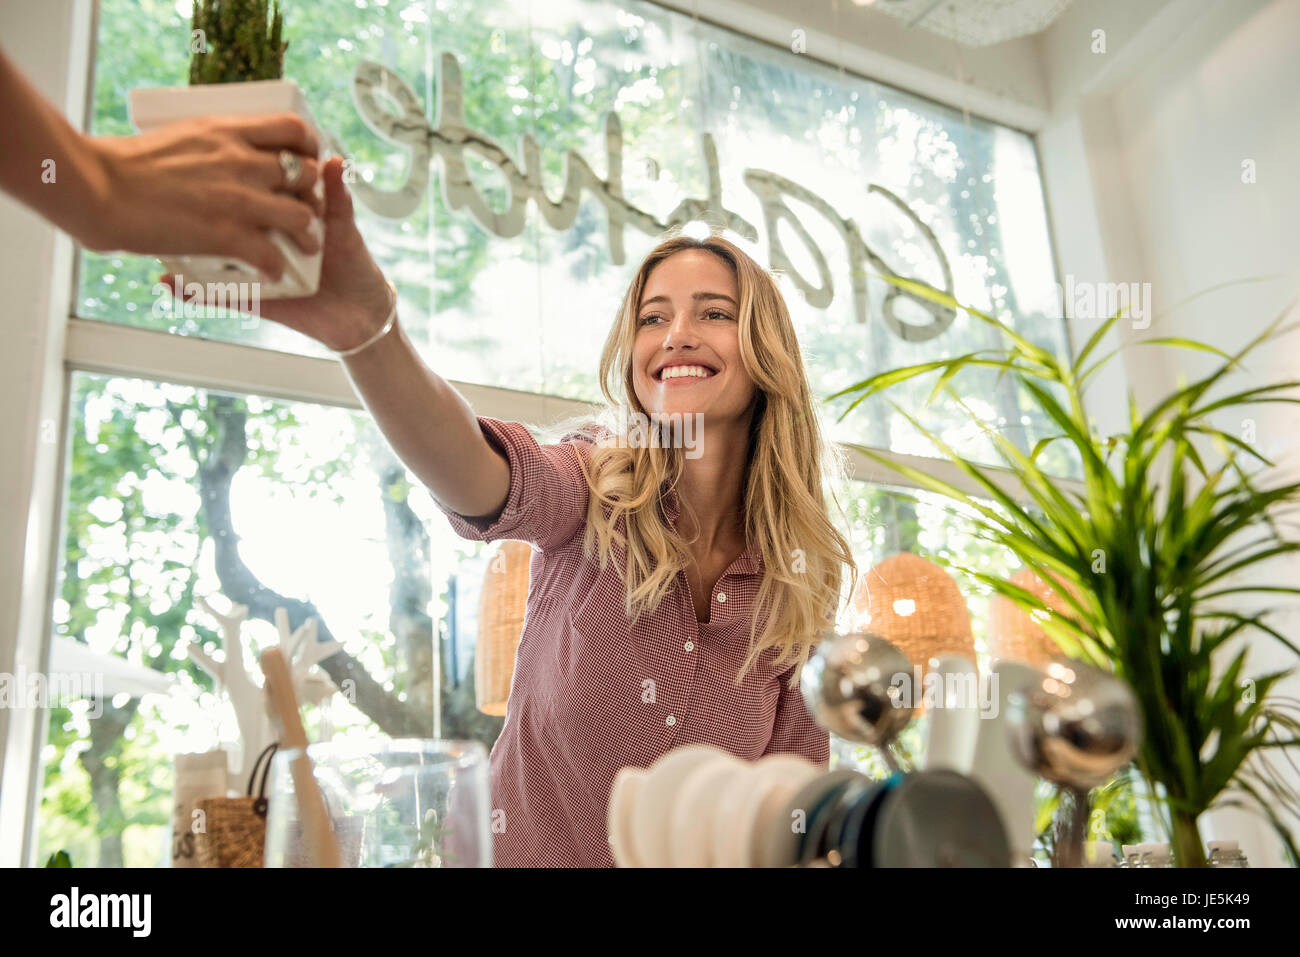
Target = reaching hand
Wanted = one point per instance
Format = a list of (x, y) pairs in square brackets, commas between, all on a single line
[(353, 299), (207, 186), (204, 186)]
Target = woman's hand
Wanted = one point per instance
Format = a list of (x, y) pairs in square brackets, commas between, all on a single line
[(205, 186), (353, 301)]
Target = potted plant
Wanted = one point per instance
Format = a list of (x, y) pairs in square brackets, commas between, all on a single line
[(237, 57), (1143, 558)]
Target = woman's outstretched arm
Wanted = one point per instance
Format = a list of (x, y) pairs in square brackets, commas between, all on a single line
[(428, 423), (430, 426)]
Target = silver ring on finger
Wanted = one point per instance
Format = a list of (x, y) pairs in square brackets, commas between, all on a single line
[(292, 166)]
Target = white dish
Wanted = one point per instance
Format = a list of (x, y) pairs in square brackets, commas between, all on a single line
[(690, 832), (727, 808), (779, 778), (622, 804), (770, 788), (654, 803)]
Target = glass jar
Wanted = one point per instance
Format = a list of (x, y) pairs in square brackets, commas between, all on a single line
[(1226, 854), (1152, 855), (1100, 854)]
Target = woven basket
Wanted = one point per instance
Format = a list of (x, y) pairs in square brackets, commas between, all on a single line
[(916, 606), (502, 603), (1014, 635), (234, 832)]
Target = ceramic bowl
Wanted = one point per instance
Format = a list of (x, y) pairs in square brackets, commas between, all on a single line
[(848, 810), (654, 803), (690, 830), (622, 801), (779, 777), (785, 844), (728, 805)]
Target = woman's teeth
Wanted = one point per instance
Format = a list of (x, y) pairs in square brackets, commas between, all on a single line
[(678, 372)]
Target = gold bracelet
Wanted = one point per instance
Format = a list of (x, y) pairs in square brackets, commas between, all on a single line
[(387, 328)]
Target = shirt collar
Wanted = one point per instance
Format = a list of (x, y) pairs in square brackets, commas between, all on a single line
[(750, 560)]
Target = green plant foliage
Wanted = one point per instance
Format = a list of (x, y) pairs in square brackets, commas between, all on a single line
[(1151, 552), (1112, 815), (233, 42)]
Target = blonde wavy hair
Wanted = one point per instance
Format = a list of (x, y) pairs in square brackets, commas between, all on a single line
[(785, 513)]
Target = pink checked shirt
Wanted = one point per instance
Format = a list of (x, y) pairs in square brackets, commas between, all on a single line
[(591, 693)]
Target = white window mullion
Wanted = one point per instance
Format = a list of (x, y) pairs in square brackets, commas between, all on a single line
[(102, 347)]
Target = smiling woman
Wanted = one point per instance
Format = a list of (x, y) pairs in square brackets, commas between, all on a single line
[(704, 331), (674, 599), (640, 634)]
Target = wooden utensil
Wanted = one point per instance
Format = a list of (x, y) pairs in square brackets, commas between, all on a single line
[(317, 834)]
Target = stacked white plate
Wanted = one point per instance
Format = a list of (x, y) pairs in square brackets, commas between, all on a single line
[(699, 806)]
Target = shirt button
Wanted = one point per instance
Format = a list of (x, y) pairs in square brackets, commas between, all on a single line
[(671, 721), (722, 596), (689, 646)]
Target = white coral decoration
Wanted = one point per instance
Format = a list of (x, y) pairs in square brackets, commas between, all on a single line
[(303, 651), (252, 710)]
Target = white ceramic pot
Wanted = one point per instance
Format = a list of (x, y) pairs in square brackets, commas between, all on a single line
[(158, 106)]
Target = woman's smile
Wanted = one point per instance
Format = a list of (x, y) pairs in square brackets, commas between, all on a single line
[(678, 376)]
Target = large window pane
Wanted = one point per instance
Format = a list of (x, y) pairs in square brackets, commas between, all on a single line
[(530, 311), (176, 494)]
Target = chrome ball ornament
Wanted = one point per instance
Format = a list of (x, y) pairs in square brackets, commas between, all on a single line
[(1075, 727), (851, 686)]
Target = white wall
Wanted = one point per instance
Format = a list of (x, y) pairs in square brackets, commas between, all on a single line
[(1143, 161), (1228, 92)]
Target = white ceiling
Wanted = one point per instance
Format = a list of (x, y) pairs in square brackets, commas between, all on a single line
[(973, 23)]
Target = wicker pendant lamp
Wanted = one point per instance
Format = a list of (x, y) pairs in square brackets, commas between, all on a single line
[(917, 606), (1013, 634), (501, 606)]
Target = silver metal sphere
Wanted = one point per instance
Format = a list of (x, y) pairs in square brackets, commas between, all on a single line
[(1076, 726), (851, 687)]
